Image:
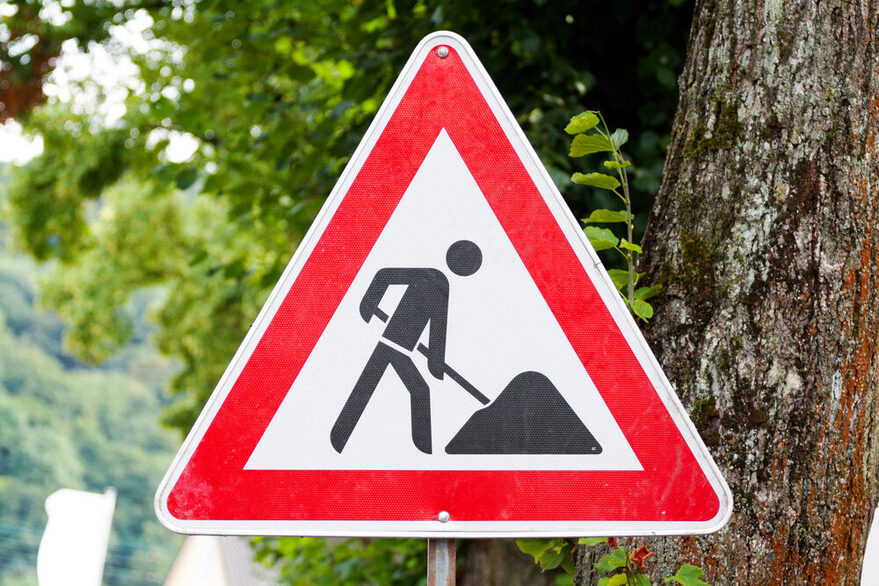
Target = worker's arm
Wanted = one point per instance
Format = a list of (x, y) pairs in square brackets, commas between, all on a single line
[(380, 283)]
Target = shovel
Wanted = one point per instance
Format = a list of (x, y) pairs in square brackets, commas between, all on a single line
[(453, 374)]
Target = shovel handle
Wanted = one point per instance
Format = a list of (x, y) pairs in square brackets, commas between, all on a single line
[(465, 384), (458, 378)]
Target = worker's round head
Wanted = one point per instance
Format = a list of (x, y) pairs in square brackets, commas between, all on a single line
[(464, 258)]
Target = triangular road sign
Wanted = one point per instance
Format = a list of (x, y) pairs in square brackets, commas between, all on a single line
[(444, 356)]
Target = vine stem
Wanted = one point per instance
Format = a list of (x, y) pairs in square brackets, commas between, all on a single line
[(630, 257), (630, 572), (624, 179)]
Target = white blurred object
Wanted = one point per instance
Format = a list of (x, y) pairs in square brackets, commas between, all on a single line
[(208, 560), (870, 573), (199, 563), (74, 544), (15, 146)]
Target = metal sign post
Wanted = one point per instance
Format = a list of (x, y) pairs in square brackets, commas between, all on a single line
[(440, 562)]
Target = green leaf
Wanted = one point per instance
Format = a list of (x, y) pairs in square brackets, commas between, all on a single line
[(568, 563), (586, 144), (620, 137), (590, 541), (690, 571), (581, 123), (629, 246), (688, 575), (283, 45), (614, 165), (552, 559), (603, 581), (601, 238), (535, 547), (599, 180), (642, 309), (617, 559), (642, 580), (617, 580), (605, 217), (645, 293), (620, 277), (391, 9), (564, 580)]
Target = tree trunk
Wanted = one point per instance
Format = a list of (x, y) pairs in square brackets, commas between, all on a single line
[(765, 234), (498, 562)]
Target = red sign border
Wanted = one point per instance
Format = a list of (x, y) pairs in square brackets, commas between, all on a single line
[(208, 485)]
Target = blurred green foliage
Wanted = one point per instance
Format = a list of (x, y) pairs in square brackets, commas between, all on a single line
[(315, 561), (64, 425), (278, 94)]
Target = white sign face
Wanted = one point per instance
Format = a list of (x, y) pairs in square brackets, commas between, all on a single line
[(444, 356), (498, 326)]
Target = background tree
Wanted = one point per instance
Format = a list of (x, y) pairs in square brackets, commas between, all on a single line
[(763, 234)]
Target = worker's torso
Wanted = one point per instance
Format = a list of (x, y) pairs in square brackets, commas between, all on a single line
[(426, 297)]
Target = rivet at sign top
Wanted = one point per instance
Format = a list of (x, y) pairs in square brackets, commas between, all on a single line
[(443, 52), (443, 517)]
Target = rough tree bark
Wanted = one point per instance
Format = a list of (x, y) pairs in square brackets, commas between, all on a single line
[(765, 234)]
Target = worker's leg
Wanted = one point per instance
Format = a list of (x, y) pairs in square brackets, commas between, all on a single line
[(360, 396), (419, 399)]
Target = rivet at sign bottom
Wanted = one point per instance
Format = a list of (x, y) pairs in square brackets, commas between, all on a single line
[(443, 52), (443, 517)]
